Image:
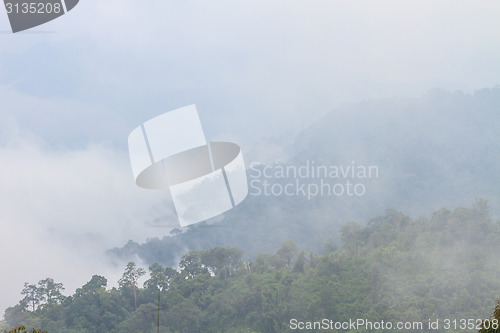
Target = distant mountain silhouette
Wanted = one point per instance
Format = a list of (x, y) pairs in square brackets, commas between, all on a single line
[(442, 149)]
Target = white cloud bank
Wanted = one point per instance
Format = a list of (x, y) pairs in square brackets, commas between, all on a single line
[(60, 210), (262, 67)]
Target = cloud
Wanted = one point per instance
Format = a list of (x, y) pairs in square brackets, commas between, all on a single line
[(73, 89), (61, 209), (262, 68)]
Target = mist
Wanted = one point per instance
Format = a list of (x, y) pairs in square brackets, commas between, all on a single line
[(278, 79), (61, 209)]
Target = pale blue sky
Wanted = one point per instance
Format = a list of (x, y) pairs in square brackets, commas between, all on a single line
[(253, 68)]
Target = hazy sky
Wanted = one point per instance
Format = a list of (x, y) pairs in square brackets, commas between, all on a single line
[(73, 89)]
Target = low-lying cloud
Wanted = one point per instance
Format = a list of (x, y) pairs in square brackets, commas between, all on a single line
[(61, 209)]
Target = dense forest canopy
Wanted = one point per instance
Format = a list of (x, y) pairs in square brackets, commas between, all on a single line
[(394, 269)]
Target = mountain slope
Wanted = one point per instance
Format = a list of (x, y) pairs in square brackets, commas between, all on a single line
[(442, 149)]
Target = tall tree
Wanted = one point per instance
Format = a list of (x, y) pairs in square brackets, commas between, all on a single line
[(191, 264), (32, 296), (159, 280), (130, 278), (51, 291)]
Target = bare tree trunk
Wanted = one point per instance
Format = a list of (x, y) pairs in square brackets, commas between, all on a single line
[(135, 299), (158, 326)]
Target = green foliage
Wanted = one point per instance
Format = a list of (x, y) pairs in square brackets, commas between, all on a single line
[(50, 291), (46, 293), (492, 325), (22, 329), (393, 269), (129, 280)]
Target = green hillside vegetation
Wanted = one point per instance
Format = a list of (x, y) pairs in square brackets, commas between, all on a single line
[(441, 149), (393, 269)]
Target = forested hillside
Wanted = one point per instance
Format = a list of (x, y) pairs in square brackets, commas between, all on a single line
[(442, 149), (393, 269)]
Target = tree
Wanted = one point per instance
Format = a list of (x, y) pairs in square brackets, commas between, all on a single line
[(299, 263), (47, 292), (287, 252), (222, 261), (350, 234), (14, 315), (129, 279), (492, 325), (191, 264), (32, 296), (95, 284), (22, 329), (159, 280), (50, 291)]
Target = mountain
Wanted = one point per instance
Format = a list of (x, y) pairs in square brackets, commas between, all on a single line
[(414, 155)]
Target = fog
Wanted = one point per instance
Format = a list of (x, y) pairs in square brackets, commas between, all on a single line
[(61, 209), (259, 73), (259, 68)]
